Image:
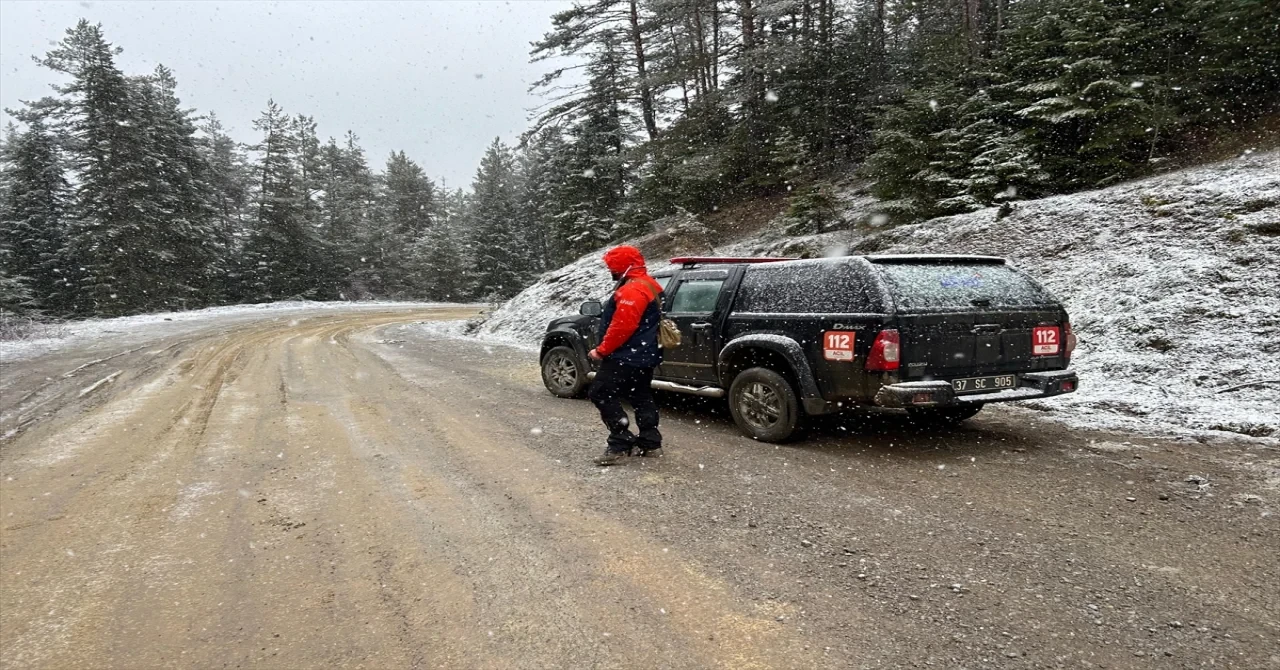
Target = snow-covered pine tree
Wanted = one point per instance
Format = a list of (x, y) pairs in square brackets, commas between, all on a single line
[(541, 168), (915, 164), (356, 236), (440, 260), (310, 162), (282, 256), (434, 265), (231, 180), (409, 196), (629, 30), (405, 212), (116, 255), (597, 172), (32, 217), (182, 191), (1082, 98), (499, 264)]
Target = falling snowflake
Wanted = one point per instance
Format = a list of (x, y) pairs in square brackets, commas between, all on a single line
[(933, 104), (770, 96)]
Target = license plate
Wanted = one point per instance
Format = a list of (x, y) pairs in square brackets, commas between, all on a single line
[(984, 384)]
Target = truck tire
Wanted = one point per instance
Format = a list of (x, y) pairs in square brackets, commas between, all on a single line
[(944, 416), (563, 373), (764, 405)]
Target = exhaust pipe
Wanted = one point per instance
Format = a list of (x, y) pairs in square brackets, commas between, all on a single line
[(703, 391)]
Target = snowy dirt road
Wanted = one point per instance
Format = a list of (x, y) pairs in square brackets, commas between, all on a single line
[(341, 490)]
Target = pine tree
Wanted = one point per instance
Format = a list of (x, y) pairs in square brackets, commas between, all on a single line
[(182, 191), (604, 25), (231, 181), (597, 173), (1086, 113), (362, 243), (115, 256), (282, 257), (405, 212), (434, 265), (542, 169), (32, 217), (498, 258), (409, 197)]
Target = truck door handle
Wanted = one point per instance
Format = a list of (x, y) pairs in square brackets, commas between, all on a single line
[(700, 326), (987, 329)]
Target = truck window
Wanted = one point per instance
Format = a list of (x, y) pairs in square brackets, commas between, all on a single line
[(806, 287), (936, 286), (697, 296)]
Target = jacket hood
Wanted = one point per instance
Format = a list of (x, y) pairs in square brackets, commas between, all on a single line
[(625, 259)]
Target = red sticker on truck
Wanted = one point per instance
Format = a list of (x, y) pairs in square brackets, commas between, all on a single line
[(837, 345), (1045, 340)]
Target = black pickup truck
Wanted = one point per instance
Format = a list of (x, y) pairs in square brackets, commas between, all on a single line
[(938, 336)]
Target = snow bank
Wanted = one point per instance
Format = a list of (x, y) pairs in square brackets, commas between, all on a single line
[(76, 333), (523, 319), (1173, 284)]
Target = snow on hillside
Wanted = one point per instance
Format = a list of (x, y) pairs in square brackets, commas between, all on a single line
[(1173, 284), (522, 320)]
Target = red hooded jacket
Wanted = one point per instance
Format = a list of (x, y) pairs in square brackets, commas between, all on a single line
[(632, 299)]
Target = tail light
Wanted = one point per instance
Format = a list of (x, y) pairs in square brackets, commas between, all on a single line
[(885, 352), (1069, 337)]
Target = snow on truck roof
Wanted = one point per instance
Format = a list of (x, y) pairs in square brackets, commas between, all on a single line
[(936, 258), (700, 260), (884, 258)]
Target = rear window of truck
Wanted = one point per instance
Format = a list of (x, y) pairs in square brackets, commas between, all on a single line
[(806, 287), (961, 285)]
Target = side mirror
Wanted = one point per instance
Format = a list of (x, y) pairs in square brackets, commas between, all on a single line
[(591, 308)]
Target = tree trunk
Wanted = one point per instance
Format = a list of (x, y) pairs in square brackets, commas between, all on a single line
[(749, 73), (715, 44), (972, 27), (684, 86), (642, 80), (700, 41)]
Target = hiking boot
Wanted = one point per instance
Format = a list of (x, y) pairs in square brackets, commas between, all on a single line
[(610, 457), (651, 453)]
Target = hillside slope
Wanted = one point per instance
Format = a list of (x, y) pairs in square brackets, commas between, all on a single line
[(1173, 283)]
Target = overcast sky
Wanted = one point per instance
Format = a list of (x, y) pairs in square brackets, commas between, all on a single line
[(437, 79)]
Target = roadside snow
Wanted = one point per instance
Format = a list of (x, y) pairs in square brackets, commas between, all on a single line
[(78, 333), (1173, 284), (522, 320)]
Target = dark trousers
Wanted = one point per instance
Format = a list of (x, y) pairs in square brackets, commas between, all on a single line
[(614, 383)]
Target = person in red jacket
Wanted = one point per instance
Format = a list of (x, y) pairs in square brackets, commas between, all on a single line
[(628, 352)]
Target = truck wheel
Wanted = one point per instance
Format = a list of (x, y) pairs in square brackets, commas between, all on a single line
[(764, 405), (563, 374), (944, 415)]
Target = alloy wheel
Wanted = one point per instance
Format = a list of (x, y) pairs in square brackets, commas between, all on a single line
[(760, 406)]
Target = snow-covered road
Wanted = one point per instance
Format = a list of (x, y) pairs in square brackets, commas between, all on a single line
[(343, 488)]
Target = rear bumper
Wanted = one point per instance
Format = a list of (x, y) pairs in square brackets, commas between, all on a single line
[(941, 393)]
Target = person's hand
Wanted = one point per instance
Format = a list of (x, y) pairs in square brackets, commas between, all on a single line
[(595, 355)]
